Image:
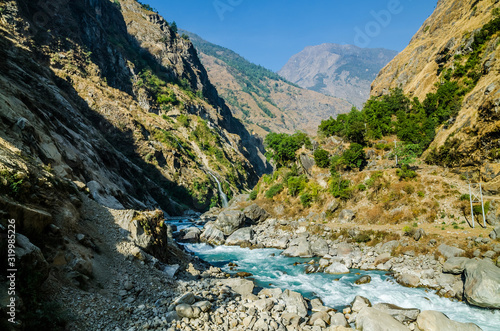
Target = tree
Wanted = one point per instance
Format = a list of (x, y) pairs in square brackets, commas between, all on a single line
[(282, 147), (354, 157), (321, 157), (173, 26)]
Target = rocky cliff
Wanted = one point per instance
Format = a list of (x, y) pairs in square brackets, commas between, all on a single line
[(342, 71), (106, 94), (260, 98), (458, 44)]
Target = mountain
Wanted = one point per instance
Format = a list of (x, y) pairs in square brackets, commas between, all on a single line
[(106, 94), (342, 71), (260, 98), (455, 52)]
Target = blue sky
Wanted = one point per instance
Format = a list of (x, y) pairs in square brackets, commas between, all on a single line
[(270, 32)]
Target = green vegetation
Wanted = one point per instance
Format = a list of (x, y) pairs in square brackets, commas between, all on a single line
[(354, 157), (406, 173), (281, 147), (173, 26), (183, 120), (340, 188), (306, 199), (147, 6), (253, 194), (322, 158), (296, 185), (274, 190)]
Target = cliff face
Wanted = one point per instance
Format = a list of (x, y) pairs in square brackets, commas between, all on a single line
[(342, 71), (457, 43), (261, 99), (105, 95)]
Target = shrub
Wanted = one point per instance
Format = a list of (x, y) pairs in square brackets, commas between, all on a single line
[(340, 188), (296, 185), (253, 194), (306, 199), (421, 194), (406, 173), (361, 187), (408, 231), (274, 190), (354, 157), (464, 197), (362, 238), (321, 157), (183, 120)]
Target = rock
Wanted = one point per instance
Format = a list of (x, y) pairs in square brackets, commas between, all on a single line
[(185, 310), (171, 316), (192, 235), (363, 280), (450, 251), (403, 315), (186, 298), (332, 206), (291, 320), (241, 286), (382, 258), (455, 265), (229, 221), (271, 292), (294, 303), (430, 320), (319, 247), (264, 304), (482, 284), (389, 246), (374, 320), (203, 305), (339, 320), (30, 261), (344, 249), (299, 247), (306, 162), (321, 315), (359, 303), (337, 268), (212, 235), (418, 234), (495, 233), (171, 270), (240, 237), (409, 280), (346, 216), (255, 214)]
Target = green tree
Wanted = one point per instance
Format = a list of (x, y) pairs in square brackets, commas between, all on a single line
[(174, 28), (354, 157), (282, 147), (321, 157)]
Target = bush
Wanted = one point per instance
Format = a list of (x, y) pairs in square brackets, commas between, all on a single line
[(340, 188), (281, 147), (464, 197), (253, 194), (306, 199), (362, 238), (183, 120), (361, 187), (354, 157), (321, 157), (405, 173), (296, 185), (421, 194), (274, 190)]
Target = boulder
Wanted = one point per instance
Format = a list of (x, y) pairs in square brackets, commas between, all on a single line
[(240, 237), (495, 233), (212, 235), (294, 303), (389, 246), (229, 221), (185, 310), (450, 251), (430, 320), (455, 265), (359, 303), (321, 315), (319, 247), (33, 268), (344, 249), (409, 280), (239, 285), (191, 235), (374, 320), (418, 234), (203, 305), (255, 214), (339, 320), (299, 247), (403, 315), (337, 268), (482, 284), (363, 280), (332, 206), (346, 216), (186, 298), (382, 258)]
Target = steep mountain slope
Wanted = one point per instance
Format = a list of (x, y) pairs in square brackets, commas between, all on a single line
[(260, 98), (106, 95), (456, 46), (342, 71)]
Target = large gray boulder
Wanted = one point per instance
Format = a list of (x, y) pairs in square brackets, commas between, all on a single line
[(337, 268), (430, 320), (450, 251), (30, 261), (241, 286), (298, 247), (346, 216), (359, 303), (319, 247), (240, 237), (482, 284), (294, 303), (455, 265), (371, 319), (229, 221), (403, 315), (212, 235), (255, 214), (495, 233)]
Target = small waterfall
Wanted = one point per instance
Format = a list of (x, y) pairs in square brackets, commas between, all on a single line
[(222, 195)]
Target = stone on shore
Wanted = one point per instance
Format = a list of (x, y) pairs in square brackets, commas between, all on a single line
[(212, 235), (241, 286), (430, 320), (240, 237), (294, 303), (450, 251), (255, 214), (455, 265), (337, 268), (229, 221), (374, 320), (482, 284), (403, 315), (298, 247)]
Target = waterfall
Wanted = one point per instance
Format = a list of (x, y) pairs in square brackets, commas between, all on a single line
[(222, 195)]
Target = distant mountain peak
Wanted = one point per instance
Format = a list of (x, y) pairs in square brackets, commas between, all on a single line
[(343, 71)]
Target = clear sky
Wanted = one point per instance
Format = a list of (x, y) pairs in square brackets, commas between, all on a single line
[(269, 32)]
